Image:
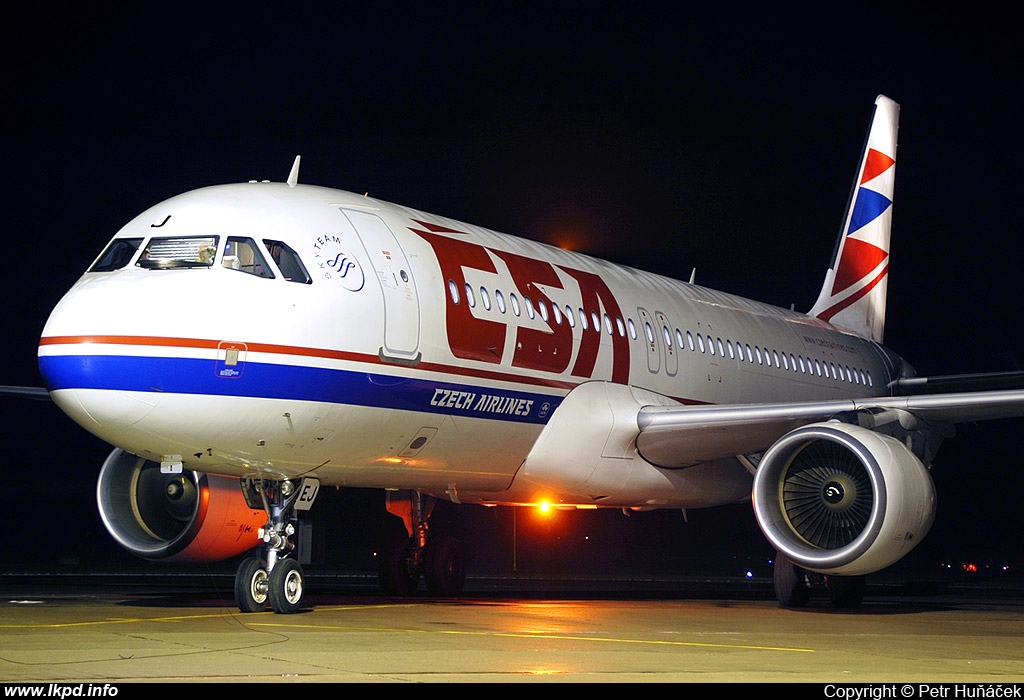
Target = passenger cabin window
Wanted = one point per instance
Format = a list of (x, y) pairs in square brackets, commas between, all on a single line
[(242, 254), (116, 255), (186, 251), (288, 262)]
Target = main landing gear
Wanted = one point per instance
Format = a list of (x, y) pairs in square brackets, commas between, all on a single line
[(438, 559), (275, 576), (794, 585)]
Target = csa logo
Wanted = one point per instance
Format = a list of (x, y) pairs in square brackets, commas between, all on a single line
[(336, 263)]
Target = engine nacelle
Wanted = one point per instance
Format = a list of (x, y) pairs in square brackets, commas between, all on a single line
[(841, 499), (183, 517)]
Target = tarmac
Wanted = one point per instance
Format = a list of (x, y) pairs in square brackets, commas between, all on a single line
[(104, 630)]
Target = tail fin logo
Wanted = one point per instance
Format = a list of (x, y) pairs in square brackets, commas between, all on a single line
[(860, 258), (853, 293)]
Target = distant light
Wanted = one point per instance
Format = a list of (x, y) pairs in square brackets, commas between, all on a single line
[(567, 239), (750, 574), (544, 507)]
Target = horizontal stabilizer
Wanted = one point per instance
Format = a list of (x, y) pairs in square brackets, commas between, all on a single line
[(991, 381)]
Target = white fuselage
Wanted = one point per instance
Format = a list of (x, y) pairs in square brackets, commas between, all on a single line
[(425, 353)]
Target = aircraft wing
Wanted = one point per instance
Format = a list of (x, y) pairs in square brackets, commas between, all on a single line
[(26, 392), (678, 436)]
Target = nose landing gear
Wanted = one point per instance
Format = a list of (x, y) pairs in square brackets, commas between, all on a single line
[(274, 576)]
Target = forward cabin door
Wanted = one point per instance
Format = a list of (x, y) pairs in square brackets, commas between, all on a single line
[(401, 303)]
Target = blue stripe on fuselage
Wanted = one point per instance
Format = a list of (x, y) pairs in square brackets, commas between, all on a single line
[(275, 381)]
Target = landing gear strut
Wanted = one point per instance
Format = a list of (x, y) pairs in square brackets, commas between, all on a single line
[(439, 559), (275, 576)]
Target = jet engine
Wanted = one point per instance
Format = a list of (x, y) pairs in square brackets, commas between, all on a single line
[(842, 499), (184, 517)]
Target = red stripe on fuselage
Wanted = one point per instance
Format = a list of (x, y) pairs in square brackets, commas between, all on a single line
[(298, 351)]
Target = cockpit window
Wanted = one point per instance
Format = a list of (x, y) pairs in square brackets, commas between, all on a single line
[(116, 255), (191, 251), (288, 262), (242, 254)]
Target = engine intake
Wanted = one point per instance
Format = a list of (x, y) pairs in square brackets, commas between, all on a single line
[(841, 499), (183, 517)]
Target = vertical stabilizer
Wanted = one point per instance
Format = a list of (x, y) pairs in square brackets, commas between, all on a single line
[(853, 295)]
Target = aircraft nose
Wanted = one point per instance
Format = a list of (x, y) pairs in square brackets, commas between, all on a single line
[(99, 411), (77, 359)]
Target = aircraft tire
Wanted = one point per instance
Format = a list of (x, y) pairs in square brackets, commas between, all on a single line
[(251, 585), (287, 583), (393, 571), (791, 587), (446, 566)]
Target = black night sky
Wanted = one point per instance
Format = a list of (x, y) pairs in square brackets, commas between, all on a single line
[(662, 139)]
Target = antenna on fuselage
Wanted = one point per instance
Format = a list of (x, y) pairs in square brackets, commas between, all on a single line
[(293, 176), (693, 275)]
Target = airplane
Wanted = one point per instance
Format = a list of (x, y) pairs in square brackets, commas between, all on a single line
[(241, 346)]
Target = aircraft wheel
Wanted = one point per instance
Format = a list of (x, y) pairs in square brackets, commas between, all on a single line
[(286, 586), (394, 572), (251, 585), (845, 591), (446, 566), (792, 589)]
